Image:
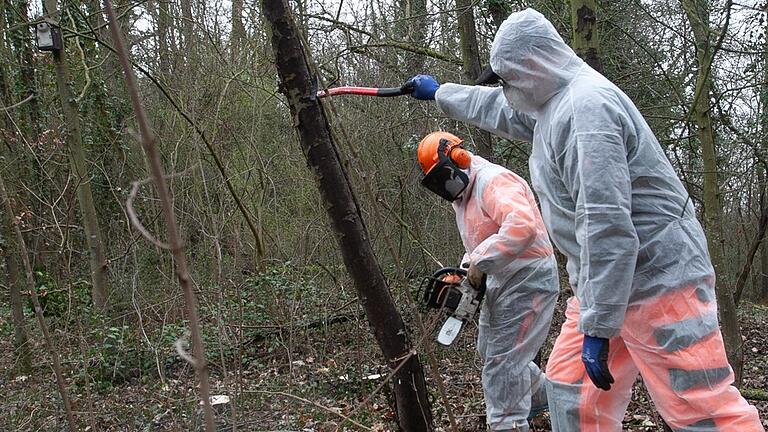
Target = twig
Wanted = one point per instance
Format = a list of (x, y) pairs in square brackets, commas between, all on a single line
[(182, 351), (132, 212), (18, 104), (135, 219), (85, 65)]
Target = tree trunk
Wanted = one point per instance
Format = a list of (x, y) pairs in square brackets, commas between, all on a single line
[(188, 32), (762, 286), (20, 340), (96, 258), (746, 269), (697, 12), (111, 68), (586, 40), (8, 209), (20, 40), (237, 36), (762, 279), (32, 111), (414, 14), (413, 408), (472, 67), (164, 40), (498, 10)]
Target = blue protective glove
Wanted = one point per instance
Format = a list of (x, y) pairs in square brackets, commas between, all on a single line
[(424, 86), (594, 354)]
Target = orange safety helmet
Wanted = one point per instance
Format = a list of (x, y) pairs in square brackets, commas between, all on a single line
[(430, 144)]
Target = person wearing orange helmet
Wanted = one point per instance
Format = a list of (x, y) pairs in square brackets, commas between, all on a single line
[(505, 239)]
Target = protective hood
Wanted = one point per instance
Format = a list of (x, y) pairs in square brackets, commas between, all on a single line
[(532, 59)]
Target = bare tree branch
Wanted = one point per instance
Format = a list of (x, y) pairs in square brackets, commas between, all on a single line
[(158, 177)]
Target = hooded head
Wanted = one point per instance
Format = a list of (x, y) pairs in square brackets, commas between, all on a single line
[(532, 60)]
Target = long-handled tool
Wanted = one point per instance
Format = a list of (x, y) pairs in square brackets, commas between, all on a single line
[(449, 290), (365, 91)]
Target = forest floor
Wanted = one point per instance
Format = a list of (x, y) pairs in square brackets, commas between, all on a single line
[(300, 380)]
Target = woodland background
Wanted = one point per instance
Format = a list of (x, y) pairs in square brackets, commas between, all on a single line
[(284, 335)]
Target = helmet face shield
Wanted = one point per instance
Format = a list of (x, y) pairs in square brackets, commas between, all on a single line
[(446, 179)]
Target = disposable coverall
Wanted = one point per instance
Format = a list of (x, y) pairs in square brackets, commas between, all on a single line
[(637, 257), (505, 237)]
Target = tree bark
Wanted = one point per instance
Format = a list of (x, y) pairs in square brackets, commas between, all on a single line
[(697, 12), (96, 258), (472, 66), (413, 408), (586, 40)]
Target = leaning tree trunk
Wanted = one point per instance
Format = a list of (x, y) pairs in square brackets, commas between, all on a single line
[(96, 258), (472, 67), (586, 41), (346, 219), (697, 12)]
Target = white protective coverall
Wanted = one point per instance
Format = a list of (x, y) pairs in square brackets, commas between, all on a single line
[(637, 257), (505, 237)]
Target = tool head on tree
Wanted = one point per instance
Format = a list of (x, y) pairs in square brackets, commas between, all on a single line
[(449, 290), (442, 158)]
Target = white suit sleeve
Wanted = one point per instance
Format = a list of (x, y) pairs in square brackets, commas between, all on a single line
[(505, 200), (486, 108), (596, 171)]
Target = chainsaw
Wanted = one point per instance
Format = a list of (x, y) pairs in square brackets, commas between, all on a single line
[(449, 291)]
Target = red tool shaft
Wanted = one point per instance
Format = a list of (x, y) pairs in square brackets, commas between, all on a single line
[(364, 91)]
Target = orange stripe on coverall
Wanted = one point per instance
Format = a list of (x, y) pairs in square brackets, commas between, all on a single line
[(696, 376)]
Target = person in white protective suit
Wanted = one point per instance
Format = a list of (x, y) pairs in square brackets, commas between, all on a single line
[(637, 256), (505, 239)]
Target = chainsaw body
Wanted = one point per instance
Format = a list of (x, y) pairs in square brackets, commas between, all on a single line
[(449, 291)]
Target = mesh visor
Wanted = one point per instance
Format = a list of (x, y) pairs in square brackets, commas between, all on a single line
[(446, 179)]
